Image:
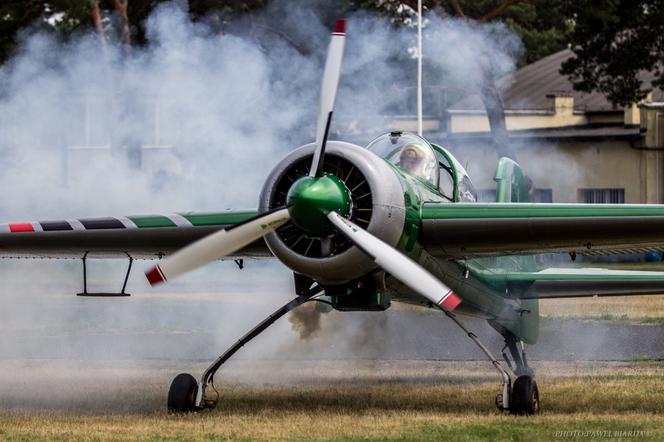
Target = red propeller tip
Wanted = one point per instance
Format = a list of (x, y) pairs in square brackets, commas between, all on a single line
[(340, 26), (155, 276), (450, 301)]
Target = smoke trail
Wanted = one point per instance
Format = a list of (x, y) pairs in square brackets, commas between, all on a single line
[(305, 320)]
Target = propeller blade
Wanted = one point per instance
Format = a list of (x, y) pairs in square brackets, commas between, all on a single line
[(328, 94), (397, 264), (216, 246)]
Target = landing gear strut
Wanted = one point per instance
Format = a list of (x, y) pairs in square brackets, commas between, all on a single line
[(186, 395), (522, 397), (502, 399), (525, 394)]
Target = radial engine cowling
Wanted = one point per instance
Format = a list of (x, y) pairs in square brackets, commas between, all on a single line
[(377, 204)]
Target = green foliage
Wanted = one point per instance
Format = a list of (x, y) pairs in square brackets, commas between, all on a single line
[(14, 16), (542, 26), (615, 42), (67, 17)]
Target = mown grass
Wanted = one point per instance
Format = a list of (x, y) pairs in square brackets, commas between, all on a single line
[(334, 427), (648, 309), (397, 402)]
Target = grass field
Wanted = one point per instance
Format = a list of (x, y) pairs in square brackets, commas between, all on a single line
[(632, 309), (343, 400), (95, 399), (629, 309)]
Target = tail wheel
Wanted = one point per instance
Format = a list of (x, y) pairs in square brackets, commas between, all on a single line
[(525, 396), (182, 394)]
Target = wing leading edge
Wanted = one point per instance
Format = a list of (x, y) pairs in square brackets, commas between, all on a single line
[(489, 229), (142, 236)]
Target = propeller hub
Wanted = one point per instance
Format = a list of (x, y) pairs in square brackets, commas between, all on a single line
[(310, 199)]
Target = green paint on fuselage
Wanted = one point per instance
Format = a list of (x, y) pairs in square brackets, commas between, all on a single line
[(484, 297), (479, 298)]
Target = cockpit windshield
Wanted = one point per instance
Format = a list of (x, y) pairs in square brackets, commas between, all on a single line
[(409, 152)]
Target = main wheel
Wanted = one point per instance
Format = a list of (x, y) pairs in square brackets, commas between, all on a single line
[(525, 396), (182, 394)]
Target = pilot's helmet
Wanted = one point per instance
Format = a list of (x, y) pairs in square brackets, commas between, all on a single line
[(412, 157)]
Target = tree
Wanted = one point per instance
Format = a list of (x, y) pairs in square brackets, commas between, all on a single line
[(540, 23), (14, 16), (616, 42), (115, 21)]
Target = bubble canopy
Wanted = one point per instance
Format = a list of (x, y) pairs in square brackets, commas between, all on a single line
[(409, 152)]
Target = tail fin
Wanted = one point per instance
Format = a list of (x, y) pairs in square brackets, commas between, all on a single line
[(514, 186)]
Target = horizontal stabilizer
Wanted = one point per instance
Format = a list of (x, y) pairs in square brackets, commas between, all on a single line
[(583, 282)]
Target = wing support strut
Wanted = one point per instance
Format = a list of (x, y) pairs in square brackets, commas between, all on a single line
[(207, 379), (502, 400), (103, 294)]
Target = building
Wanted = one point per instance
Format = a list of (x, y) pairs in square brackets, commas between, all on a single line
[(576, 147)]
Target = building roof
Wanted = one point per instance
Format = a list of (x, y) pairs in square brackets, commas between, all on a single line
[(527, 88), (562, 134)]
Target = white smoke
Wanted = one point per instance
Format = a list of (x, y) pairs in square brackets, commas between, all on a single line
[(219, 112), (224, 107)]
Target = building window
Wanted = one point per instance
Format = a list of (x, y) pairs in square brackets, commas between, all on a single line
[(602, 196), (542, 196)]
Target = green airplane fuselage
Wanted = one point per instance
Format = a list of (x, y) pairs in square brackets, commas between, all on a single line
[(311, 198), (487, 297)]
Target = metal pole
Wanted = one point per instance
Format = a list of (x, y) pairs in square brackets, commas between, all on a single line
[(85, 274), (124, 285), (419, 67)]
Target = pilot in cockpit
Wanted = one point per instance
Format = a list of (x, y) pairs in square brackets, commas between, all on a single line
[(411, 159)]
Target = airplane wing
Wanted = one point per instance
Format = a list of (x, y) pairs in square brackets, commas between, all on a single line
[(488, 229), (576, 282), (142, 236)]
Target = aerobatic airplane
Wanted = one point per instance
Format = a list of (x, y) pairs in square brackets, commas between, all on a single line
[(361, 227)]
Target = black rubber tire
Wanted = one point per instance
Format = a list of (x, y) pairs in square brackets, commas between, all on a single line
[(525, 396), (182, 394)]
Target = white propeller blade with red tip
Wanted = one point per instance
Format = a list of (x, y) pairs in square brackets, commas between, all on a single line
[(225, 242), (328, 93), (216, 245), (397, 264)]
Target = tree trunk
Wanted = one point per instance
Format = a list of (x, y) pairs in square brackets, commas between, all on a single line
[(95, 15), (495, 111), (121, 8)]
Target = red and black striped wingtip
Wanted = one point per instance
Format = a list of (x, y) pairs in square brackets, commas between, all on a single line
[(21, 227), (340, 27), (155, 276)]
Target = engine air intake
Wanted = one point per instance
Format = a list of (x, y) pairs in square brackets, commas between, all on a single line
[(330, 242)]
